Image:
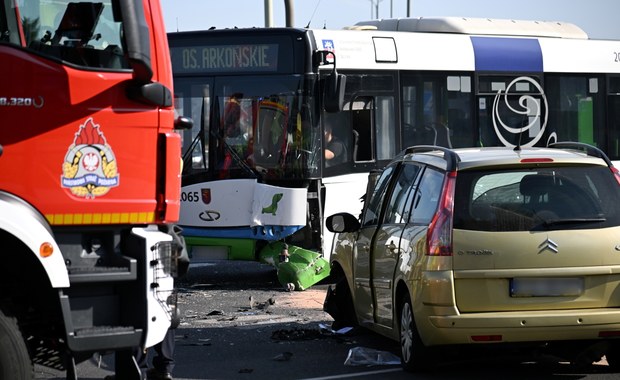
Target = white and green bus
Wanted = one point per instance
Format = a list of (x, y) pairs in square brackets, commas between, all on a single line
[(262, 98)]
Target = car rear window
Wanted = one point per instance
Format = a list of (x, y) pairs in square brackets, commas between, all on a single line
[(564, 197)]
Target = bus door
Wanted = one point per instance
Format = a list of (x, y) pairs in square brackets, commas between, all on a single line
[(194, 99)]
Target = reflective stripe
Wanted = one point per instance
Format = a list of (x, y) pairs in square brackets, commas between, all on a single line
[(105, 218)]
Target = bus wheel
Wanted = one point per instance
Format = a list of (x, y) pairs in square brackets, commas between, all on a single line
[(415, 356), (339, 304), (14, 359)]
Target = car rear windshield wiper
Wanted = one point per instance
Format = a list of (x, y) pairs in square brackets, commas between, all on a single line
[(551, 222)]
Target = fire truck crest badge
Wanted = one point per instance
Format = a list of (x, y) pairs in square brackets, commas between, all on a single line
[(89, 169)]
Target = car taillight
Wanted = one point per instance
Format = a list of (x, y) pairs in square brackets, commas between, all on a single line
[(536, 160), (609, 334), (439, 235), (616, 173)]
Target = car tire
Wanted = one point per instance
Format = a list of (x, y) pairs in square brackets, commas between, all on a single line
[(339, 304), (415, 356), (15, 361)]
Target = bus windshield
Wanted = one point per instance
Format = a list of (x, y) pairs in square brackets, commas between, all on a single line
[(250, 127)]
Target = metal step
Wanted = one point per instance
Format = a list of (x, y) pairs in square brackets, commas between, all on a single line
[(95, 322), (89, 274), (104, 337)]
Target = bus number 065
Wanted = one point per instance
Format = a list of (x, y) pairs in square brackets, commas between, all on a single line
[(190, 196)]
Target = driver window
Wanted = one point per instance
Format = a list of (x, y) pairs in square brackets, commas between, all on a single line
[(337, 139), (373, 207), (9, 30)]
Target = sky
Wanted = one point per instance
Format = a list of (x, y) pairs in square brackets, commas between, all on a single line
[(598, 18)]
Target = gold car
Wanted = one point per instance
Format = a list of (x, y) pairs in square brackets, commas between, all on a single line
[(485, 246)]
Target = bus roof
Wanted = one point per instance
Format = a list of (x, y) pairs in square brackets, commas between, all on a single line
[(480, 26)]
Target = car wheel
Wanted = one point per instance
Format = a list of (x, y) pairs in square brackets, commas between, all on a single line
[(415, 356), (14, 359), (339, 304)]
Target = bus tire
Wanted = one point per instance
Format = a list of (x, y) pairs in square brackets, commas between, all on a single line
[(15, 361)]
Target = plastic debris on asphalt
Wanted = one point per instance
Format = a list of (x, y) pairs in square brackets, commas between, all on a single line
[(359, 356)]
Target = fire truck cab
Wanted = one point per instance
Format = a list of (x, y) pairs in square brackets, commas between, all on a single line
[(89, 183)]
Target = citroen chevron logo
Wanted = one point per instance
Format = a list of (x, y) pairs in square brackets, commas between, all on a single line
[(548, 244)]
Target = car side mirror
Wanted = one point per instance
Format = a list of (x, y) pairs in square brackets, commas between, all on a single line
[(342, 222)]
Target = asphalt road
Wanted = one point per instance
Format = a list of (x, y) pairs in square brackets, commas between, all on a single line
[(239, 323)]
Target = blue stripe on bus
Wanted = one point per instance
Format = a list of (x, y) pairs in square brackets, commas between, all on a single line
[(269, 233), (507, 54)]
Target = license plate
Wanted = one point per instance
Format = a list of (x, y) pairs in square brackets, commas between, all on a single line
[(546, 287)]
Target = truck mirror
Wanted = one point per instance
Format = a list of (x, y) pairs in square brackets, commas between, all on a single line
[(183, 122), (137, 39), (150, 93)]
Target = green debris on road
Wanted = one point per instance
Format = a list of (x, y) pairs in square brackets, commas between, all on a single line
[(298, 268)]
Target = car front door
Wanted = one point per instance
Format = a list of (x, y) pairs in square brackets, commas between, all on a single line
[(386, 246), (362, 254)]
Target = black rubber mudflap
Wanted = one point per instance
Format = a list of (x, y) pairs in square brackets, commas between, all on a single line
[(126, 366)]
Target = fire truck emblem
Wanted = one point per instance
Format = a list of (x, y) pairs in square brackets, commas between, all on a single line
[(90, 168)]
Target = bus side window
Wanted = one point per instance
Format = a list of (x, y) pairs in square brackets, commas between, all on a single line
[(361, 119), (385, 127)]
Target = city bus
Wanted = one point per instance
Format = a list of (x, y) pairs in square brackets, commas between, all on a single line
[(264, 100)]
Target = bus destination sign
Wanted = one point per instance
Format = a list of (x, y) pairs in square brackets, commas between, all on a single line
[(220, 58)]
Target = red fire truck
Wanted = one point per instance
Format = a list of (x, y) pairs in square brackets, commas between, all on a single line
[(89, 183)]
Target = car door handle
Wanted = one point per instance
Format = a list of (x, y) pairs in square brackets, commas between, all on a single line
[(391, 247)]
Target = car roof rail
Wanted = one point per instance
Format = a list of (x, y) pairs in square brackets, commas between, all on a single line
[(590, 150), (451, 157)]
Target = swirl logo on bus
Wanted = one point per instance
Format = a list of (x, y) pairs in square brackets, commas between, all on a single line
[(533, 113)]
